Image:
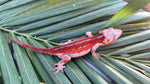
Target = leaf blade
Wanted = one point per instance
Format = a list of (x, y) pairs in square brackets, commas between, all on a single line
[(126, 12), (24, 65), (9, 72), (140, 77)]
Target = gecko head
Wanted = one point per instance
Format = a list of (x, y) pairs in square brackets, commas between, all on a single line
[(110, 35)]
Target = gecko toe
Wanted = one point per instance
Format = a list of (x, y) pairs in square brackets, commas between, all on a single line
[(58, 68), (53, 69), (56, 72), (55, 64)]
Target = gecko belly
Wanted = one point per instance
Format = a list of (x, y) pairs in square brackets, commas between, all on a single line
[(79, 54)]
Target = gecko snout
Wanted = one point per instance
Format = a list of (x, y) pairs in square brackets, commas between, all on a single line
[(118, 33)]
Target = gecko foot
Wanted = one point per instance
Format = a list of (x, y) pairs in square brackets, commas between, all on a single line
[(96, 55), (58, 68), (89, 34)]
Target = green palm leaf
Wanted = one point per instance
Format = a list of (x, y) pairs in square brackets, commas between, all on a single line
[(44, 23), (8, 68)]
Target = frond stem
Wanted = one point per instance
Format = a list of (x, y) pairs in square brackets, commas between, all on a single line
[(26, 35), (117, 57)]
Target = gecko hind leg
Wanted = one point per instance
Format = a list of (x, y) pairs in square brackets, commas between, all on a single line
[(96, 55), (64, 59)]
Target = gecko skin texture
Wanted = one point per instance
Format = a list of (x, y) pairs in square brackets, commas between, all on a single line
[(79, 47)]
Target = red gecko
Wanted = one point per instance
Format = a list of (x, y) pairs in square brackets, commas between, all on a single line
[(77, 48)]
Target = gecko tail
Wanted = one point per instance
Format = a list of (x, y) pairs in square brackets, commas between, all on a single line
[(42, 50)]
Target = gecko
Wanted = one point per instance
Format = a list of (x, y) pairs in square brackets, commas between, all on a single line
[(77, 48)]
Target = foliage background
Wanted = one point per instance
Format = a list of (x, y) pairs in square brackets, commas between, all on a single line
[(46, 23)]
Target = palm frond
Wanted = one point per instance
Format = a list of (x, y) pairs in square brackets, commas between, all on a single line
[(43, 23)]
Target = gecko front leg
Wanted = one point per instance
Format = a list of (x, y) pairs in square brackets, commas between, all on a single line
[(96, 55), (64, 59), (89, 34)]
